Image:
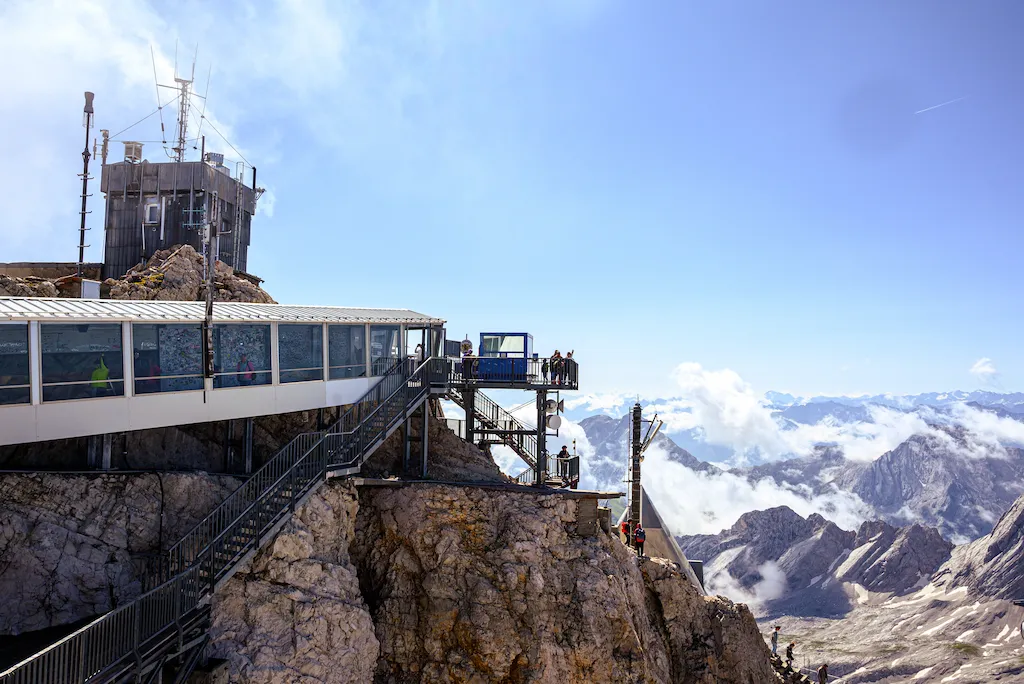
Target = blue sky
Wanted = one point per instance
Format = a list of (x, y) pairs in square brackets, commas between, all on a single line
[(742, 185)]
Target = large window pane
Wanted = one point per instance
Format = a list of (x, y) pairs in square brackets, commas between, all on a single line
[(241, 355), (14, 382), (301, 351), (346, 351), (503, 345), (385, 343), (167, 357), (81, 360)]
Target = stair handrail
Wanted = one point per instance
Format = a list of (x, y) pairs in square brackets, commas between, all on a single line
[(527, 443), (253, 487)]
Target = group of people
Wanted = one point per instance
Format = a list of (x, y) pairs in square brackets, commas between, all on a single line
[(635, 539), (822, 671), (556, 365)]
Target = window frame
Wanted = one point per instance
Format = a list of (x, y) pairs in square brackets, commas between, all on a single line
[(28, 370), (144, 378), (120, 382), (281, 370)]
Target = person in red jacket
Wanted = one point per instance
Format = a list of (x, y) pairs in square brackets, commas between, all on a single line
[(624, 529), (639, 537)]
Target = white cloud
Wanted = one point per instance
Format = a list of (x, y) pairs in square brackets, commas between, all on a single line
[(771, 586), (730, 413), (984, 370), (609, 403), (698, 503)]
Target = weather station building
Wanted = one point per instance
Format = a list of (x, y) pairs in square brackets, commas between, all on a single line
[(153, 206)]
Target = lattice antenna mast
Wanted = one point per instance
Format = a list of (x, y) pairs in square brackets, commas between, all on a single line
[(184, 87)]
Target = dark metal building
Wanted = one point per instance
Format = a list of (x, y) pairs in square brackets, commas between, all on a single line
[(151, 206)]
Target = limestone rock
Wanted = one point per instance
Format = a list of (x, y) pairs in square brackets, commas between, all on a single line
[(67, 542), (26, 287), (176, 274), (992, 566), (295, 613), (469, 584)]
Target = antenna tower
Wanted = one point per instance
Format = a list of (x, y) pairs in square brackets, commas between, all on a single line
[(639, 442), (87, 113), (184, 87)]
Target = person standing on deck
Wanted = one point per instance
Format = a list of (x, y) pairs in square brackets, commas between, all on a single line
[(639, 537)]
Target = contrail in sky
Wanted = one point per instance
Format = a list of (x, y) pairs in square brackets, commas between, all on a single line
[(928, 109)]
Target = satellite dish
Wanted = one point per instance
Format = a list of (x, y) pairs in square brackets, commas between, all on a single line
[(561, 406), (550, 406), (554, 422)]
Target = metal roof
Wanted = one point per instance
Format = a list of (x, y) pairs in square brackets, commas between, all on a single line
[(48, 308)]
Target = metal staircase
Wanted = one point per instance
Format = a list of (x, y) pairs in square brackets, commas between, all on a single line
[(169, 623), (504, 428), (494, 417)]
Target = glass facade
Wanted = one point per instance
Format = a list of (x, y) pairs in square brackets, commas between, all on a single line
[(301, 352), (346, 350), (14, 364), (167, 357), (81, 360), (385, 346), (241, 354)]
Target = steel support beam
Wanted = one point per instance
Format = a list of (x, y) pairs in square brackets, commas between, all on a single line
[(424, 441), (247, 447), (542, 432), (407, 443), (469, 399), (105, 463)]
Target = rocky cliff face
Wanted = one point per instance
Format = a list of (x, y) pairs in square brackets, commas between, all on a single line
[(935, 482), (436, 583), (993, 565), (68, 542)]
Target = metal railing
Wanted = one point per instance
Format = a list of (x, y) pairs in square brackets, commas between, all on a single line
[(515, 372), (494, 417), (189, 572), (566, 469), (527, 477)]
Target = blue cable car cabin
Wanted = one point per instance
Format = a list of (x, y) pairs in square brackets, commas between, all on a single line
[(503, 356)]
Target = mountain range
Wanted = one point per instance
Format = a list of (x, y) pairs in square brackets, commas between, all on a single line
[(879, 604), (947, 477)]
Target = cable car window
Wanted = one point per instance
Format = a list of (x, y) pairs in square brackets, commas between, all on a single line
[(14, 364), (385, 343), (505, 345), (81, 361), (346, 351), (241, 355), (301, 352), (167, 357)]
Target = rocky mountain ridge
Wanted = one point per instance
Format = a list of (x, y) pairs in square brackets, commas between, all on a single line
[(903, 604)]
